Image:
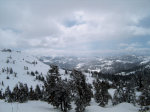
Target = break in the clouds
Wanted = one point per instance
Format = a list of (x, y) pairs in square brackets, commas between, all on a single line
[(76, 27)]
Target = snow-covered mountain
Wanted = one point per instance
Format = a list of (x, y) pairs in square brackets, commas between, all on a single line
[(106, 65), (16, 67)]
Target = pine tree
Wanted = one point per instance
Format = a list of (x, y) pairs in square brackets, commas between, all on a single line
[(101, 92), (8, 96), (63, 96), (15, 93), (130, 96), (32, 95), (11, 71), (2, 83), (118, 95), (1, 95), (82, 90), (32, 73), (56, 90), (38, 92), (50, 83), (36, 72), (23, 94), (66, 72), (145, 96)]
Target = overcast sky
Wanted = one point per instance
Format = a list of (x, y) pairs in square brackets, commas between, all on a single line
[(76, 27)]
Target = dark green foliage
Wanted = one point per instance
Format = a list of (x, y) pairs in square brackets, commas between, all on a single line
[(145, 96), (8, 95), (38, 92), (7, 77), (32, 73), (144, 109), (36, 72), (101, 92), (2, 83), (20, 94), (56, 90), (23, 93), (40, 77), (11, 71), (129, 92), (82, 91), (15, 93), (1, 95), (124, 93), (32, 95), (118, 95), (66, 72)]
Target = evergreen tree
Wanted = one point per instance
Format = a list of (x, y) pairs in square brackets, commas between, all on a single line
[(2, 83), (50, 83), (32, 95), (82, 90), (101, 92), (38, 92), (118, 95), (1, 95), (32, 73), (23, 93), (63, 96), (56, 90), (36, 72), (144, 99), (8, 96), (15, 93), (130, 96), (11, 71)]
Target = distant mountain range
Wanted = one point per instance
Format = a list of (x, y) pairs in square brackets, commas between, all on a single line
[(114, 64)]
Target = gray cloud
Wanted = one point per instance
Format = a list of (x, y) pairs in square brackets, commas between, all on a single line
[(68, 26)]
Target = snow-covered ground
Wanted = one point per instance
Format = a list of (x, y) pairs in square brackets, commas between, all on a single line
[(18, 61), (39, 106)]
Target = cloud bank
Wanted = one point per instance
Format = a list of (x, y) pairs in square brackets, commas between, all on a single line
[(75, 27)]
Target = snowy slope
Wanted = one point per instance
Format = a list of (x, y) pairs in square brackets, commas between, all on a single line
[(39, 106), (18, 61), (22, 63)]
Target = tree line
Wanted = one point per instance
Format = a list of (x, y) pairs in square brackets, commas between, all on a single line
[(60, 93)]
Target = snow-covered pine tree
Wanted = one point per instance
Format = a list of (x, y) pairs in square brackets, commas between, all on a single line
[(38, 92), (8, 96), (144, 99), (63, 95), (50, 83), (82, 91), (101, 92), (15, 93), (1, 95), (23, 93), (129, 94), (11, 71), (56, 90), (32, 95), (118, 95)]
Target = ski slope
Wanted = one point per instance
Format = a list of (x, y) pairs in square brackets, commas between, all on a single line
[(39, 106), (18, 61)]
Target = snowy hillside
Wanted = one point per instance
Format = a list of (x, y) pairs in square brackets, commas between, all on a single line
[(21, 65), (61, 88), (38, 106)]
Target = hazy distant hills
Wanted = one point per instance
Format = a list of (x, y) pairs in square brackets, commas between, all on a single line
[(107, 65)]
